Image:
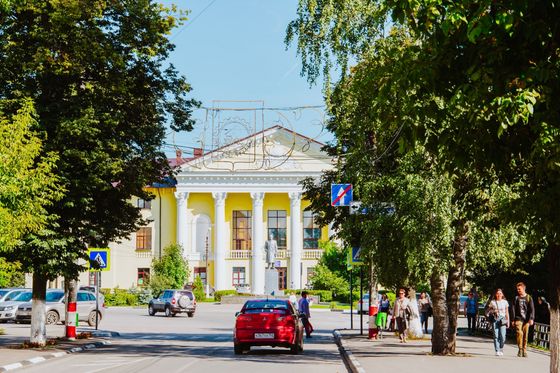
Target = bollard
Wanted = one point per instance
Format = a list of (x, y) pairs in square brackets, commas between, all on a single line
[(72, 321), (372, 331)]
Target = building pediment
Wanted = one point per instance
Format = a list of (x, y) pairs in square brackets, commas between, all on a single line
[(274, 150)]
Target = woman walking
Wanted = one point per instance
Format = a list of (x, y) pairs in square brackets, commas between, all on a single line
[(499, 313), (424, 305), (401, 312)]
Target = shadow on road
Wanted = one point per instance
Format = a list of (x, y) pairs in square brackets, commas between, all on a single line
[(216, 346)]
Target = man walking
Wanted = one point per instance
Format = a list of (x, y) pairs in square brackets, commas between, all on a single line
[(303, 307), (523, 317)]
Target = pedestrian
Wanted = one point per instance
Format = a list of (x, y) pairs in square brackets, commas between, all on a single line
[(293, 301), (384, 306), (303, 307), (542, 311), (523, 317), (471, 309), (424, 306), (498, 313), (401, 312)]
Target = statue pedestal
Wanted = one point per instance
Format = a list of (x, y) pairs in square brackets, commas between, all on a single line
[(270, 281)]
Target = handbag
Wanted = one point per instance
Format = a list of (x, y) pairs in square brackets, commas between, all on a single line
[(491, 313)]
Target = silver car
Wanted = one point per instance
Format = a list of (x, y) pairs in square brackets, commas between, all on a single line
[(10, 293), (56, 311), (8, 308)]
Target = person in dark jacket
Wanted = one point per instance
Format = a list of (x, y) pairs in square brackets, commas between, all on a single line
[(523, 317), (542, 311)]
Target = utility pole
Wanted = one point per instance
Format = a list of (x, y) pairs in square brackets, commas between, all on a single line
[(206, 257)]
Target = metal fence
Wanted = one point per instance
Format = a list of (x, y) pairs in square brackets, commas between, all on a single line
[(541, 332)]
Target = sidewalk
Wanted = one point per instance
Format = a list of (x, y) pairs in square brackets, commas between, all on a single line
[(474, 354), (12, 356)]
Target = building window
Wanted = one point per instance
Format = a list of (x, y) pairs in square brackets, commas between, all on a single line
[(242, 230), (282, 278), (311, 231), (143, 276), (144, 239), (238, 276), (143, 204), (200, 272), (277, 227)]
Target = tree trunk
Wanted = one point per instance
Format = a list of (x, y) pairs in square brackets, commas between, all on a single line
[(441, 321), (554, 269), (455, 282), (71, 297), (38, 328)]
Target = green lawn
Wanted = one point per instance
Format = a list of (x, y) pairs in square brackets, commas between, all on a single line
[(338, 306)]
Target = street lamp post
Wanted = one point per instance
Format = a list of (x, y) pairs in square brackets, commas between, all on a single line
[(206, 257)]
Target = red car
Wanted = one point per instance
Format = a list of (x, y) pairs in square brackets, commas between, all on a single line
[(268, 322)]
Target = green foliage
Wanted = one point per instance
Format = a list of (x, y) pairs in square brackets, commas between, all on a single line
[(324, 295), (223, 293), (325, 279), (170, 271), (27, 180), (103, 95), (11, 274), (123, 297), (199, 289)]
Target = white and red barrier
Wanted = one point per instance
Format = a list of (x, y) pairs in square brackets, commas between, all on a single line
[(372, 330), (71, 321)]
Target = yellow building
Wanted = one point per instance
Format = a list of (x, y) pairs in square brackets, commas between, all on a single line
[(224, 206)]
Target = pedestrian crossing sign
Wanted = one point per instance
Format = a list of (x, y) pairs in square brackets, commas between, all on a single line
[(99, 259), (354, 258)]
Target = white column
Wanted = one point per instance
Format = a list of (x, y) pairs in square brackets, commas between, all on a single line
[(257, 274), (220, 243), (296, 242), (182, 228)]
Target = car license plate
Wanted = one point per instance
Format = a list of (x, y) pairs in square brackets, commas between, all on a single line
[(264, 335)]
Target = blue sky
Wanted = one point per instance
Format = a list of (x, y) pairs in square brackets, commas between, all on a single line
[(234, 50)]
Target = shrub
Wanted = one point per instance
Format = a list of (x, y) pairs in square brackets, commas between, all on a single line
[(198, 289), (324, 295), (220, 293)]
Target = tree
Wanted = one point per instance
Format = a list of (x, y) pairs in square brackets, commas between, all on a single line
[(171, 271), (11, 274), (95, 71), (27, 182), (437, 208)]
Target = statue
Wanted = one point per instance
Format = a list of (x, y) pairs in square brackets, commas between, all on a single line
[(271, 247)]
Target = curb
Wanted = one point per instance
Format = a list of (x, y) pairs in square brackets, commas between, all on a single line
[(40, 359), (350, 360)]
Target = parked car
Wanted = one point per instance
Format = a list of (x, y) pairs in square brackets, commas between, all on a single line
[(8, 308), (363, 304), (8, 294), (172, 302), (268, 322), (56, 308)]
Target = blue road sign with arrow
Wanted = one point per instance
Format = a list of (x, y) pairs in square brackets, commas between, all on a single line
[(341, 194)]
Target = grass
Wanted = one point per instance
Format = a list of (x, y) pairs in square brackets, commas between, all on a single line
[(332, 305)]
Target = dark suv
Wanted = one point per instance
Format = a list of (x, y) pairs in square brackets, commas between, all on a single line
[(173, 302)]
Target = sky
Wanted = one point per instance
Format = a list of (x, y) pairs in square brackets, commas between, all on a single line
[(234, 50)]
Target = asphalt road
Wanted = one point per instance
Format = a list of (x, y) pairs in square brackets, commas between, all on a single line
[(200, 344)]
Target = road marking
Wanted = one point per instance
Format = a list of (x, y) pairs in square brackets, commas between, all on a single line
[(119, 365)]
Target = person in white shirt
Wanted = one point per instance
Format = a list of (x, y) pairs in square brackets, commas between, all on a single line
[(499, 308)]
